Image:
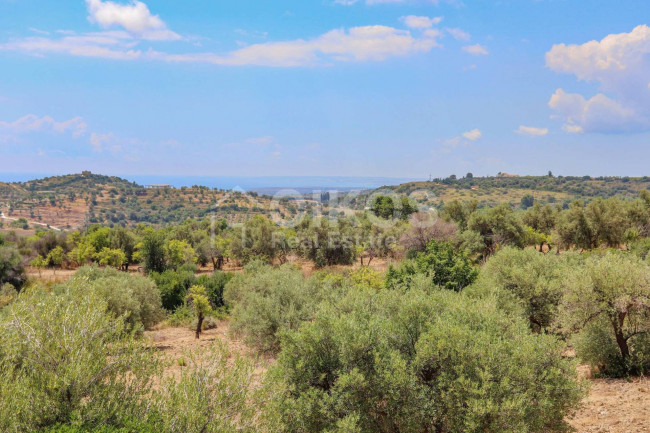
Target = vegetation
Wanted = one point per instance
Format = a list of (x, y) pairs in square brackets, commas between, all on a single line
[(466, 331)]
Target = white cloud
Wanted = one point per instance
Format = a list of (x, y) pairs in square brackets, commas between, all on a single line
[(598, 114), (619, 63), (476, 50), (134, 17), (32, 123), (458, 34), (357, 44), (473, 135), (368, 43), (531, 130), (420, 22), (101, 142)]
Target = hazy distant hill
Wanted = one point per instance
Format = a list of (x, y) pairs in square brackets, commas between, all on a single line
[(76, 200), (490, 191)]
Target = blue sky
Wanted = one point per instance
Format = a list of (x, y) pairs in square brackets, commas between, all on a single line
[(402, 88)]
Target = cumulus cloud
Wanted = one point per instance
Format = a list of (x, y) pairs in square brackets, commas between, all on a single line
[(134, 17), (476, 50), (598, 114), (473, 135), (420, 22), (531, 130), (619, 63), (33, 123)]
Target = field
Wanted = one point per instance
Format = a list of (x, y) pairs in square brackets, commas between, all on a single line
[(612, 406)]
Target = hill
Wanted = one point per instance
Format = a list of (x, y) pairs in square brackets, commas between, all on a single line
[(490, 191), (76, 200)]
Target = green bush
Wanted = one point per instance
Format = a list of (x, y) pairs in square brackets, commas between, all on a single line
[(446, 267), (214, 284), (182, 316), (526, 281), (609, 289), (12, 270), (213, 395), (173, 286), (64, 359), (417, 362), (265, 301), (132, 297)]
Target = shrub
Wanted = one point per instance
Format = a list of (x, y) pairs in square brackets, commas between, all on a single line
[(613, 289), (131, 297), (213, 394), (214, 285), (417, 362), (63, 359), (173, 286), (182, 316), (447, 268), (265, 301), (524, 280), (12, 270)]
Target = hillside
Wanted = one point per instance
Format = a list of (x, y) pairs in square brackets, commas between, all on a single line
[(490, 191), (76, 200)]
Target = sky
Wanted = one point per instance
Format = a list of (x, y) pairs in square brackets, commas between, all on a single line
[(391, 88)]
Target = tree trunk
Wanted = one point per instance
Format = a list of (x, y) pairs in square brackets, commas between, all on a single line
[(620, 337), (199, 326)]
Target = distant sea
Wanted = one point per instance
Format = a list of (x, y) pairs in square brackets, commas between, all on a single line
[(261, 184)]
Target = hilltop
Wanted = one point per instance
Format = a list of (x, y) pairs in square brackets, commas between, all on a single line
[(76, 200), (491, 191)]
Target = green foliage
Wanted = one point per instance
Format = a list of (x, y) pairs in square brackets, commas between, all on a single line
[(173, 286), (179, 253), (266, 301), (111, 257), (151, 252), (214, 285), (499, 226), (386, 207), (613, 288), (527, 201), (524, 281), (12, 270), (441, 262), (255, 241), (198, 301), (416, 362), (383, 206), (63, 359), (133, 298), (7, 294), (212, 396)]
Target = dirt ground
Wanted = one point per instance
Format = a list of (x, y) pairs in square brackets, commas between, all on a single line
[(613, 406)]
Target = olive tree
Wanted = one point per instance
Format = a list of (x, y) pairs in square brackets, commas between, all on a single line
[(612, 289), (64, 359), (198, 299), (417, 362), (524, 280)]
